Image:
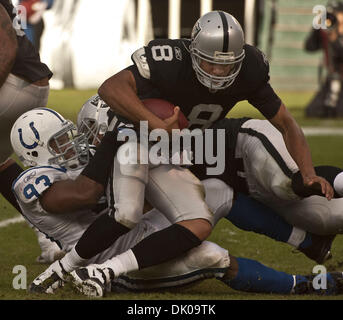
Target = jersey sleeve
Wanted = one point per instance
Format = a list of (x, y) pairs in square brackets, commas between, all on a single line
[(161, 62), (261, 95), (31, 184), (145, 88), (266, 100)]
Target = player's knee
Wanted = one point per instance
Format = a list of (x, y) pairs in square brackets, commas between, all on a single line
[(208, 255), (129, 214), (201, 228)]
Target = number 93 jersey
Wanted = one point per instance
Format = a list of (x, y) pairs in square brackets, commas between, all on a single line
[(163, 69), (64, 228)]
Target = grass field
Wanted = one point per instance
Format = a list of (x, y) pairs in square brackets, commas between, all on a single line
[(18, 245)]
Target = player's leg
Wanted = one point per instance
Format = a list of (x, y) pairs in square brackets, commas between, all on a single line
[(250, 215), (50, 250), (252, 276), (204, 262), (315, 214), (125, 194), (180, 196), (17, 97), (269, 169)]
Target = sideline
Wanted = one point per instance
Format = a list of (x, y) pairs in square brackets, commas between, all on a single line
[(7, 222), (325, 131)]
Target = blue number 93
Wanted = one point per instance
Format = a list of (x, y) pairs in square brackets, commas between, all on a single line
[(30, 190)]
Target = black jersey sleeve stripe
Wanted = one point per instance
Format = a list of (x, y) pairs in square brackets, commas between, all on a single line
[(225, 31)]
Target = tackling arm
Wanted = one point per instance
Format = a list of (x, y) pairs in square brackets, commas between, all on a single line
[(9, 45), (71, 195), (299, 150)]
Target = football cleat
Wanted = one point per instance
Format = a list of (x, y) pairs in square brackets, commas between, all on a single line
[(51, 279), (320, 249), (93, 281)]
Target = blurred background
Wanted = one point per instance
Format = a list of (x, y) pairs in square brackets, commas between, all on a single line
[(85, 41)]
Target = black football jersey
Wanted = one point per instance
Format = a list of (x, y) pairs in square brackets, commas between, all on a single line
[(232, 164), (27, 63), (168, 74)]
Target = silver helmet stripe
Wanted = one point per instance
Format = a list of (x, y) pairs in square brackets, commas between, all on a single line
[(225, 31)]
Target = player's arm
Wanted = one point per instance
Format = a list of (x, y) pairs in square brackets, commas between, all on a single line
[(9, 45), (85, 191), (299, 150), (120, 93), (71, 195)]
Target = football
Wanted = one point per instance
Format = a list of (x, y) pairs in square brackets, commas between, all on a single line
[(164, 109)]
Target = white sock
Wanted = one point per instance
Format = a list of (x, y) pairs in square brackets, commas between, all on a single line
[(72, 261), (297, 237), (122, 263), (338, 184)]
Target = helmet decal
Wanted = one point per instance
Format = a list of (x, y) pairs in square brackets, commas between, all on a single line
[(196, 30), (225, 31), (33, 145)]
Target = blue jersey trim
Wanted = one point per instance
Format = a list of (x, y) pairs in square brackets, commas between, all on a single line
[(33, 168)]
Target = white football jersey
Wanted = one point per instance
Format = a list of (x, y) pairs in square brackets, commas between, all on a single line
[(64, 228)]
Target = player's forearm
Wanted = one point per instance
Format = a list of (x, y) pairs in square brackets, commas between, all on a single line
[(71, 195), (299, 150), (119, 92), (295, 141), (8, 48)]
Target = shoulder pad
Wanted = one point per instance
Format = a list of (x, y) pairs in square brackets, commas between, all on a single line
[(168, 60), (30, 185), (139, 58)]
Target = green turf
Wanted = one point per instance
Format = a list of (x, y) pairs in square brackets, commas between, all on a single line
[(18, 245)]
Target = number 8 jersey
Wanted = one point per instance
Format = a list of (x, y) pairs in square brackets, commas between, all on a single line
[(163, 69)]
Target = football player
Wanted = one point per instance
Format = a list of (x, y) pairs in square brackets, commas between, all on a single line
[(24, 85), (43, 139), (206, 76), (51, 196), (261, 166), (95, 117), (201, 78)]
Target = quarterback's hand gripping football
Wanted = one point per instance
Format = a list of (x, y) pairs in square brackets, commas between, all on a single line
[(173, 121)]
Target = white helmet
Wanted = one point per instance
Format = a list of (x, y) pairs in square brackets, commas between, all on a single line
[(217, 37), (92, 119), (42, 136)]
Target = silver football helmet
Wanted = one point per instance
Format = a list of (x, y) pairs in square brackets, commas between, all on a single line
[(217, 37), (92, 119), (43, 137)]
